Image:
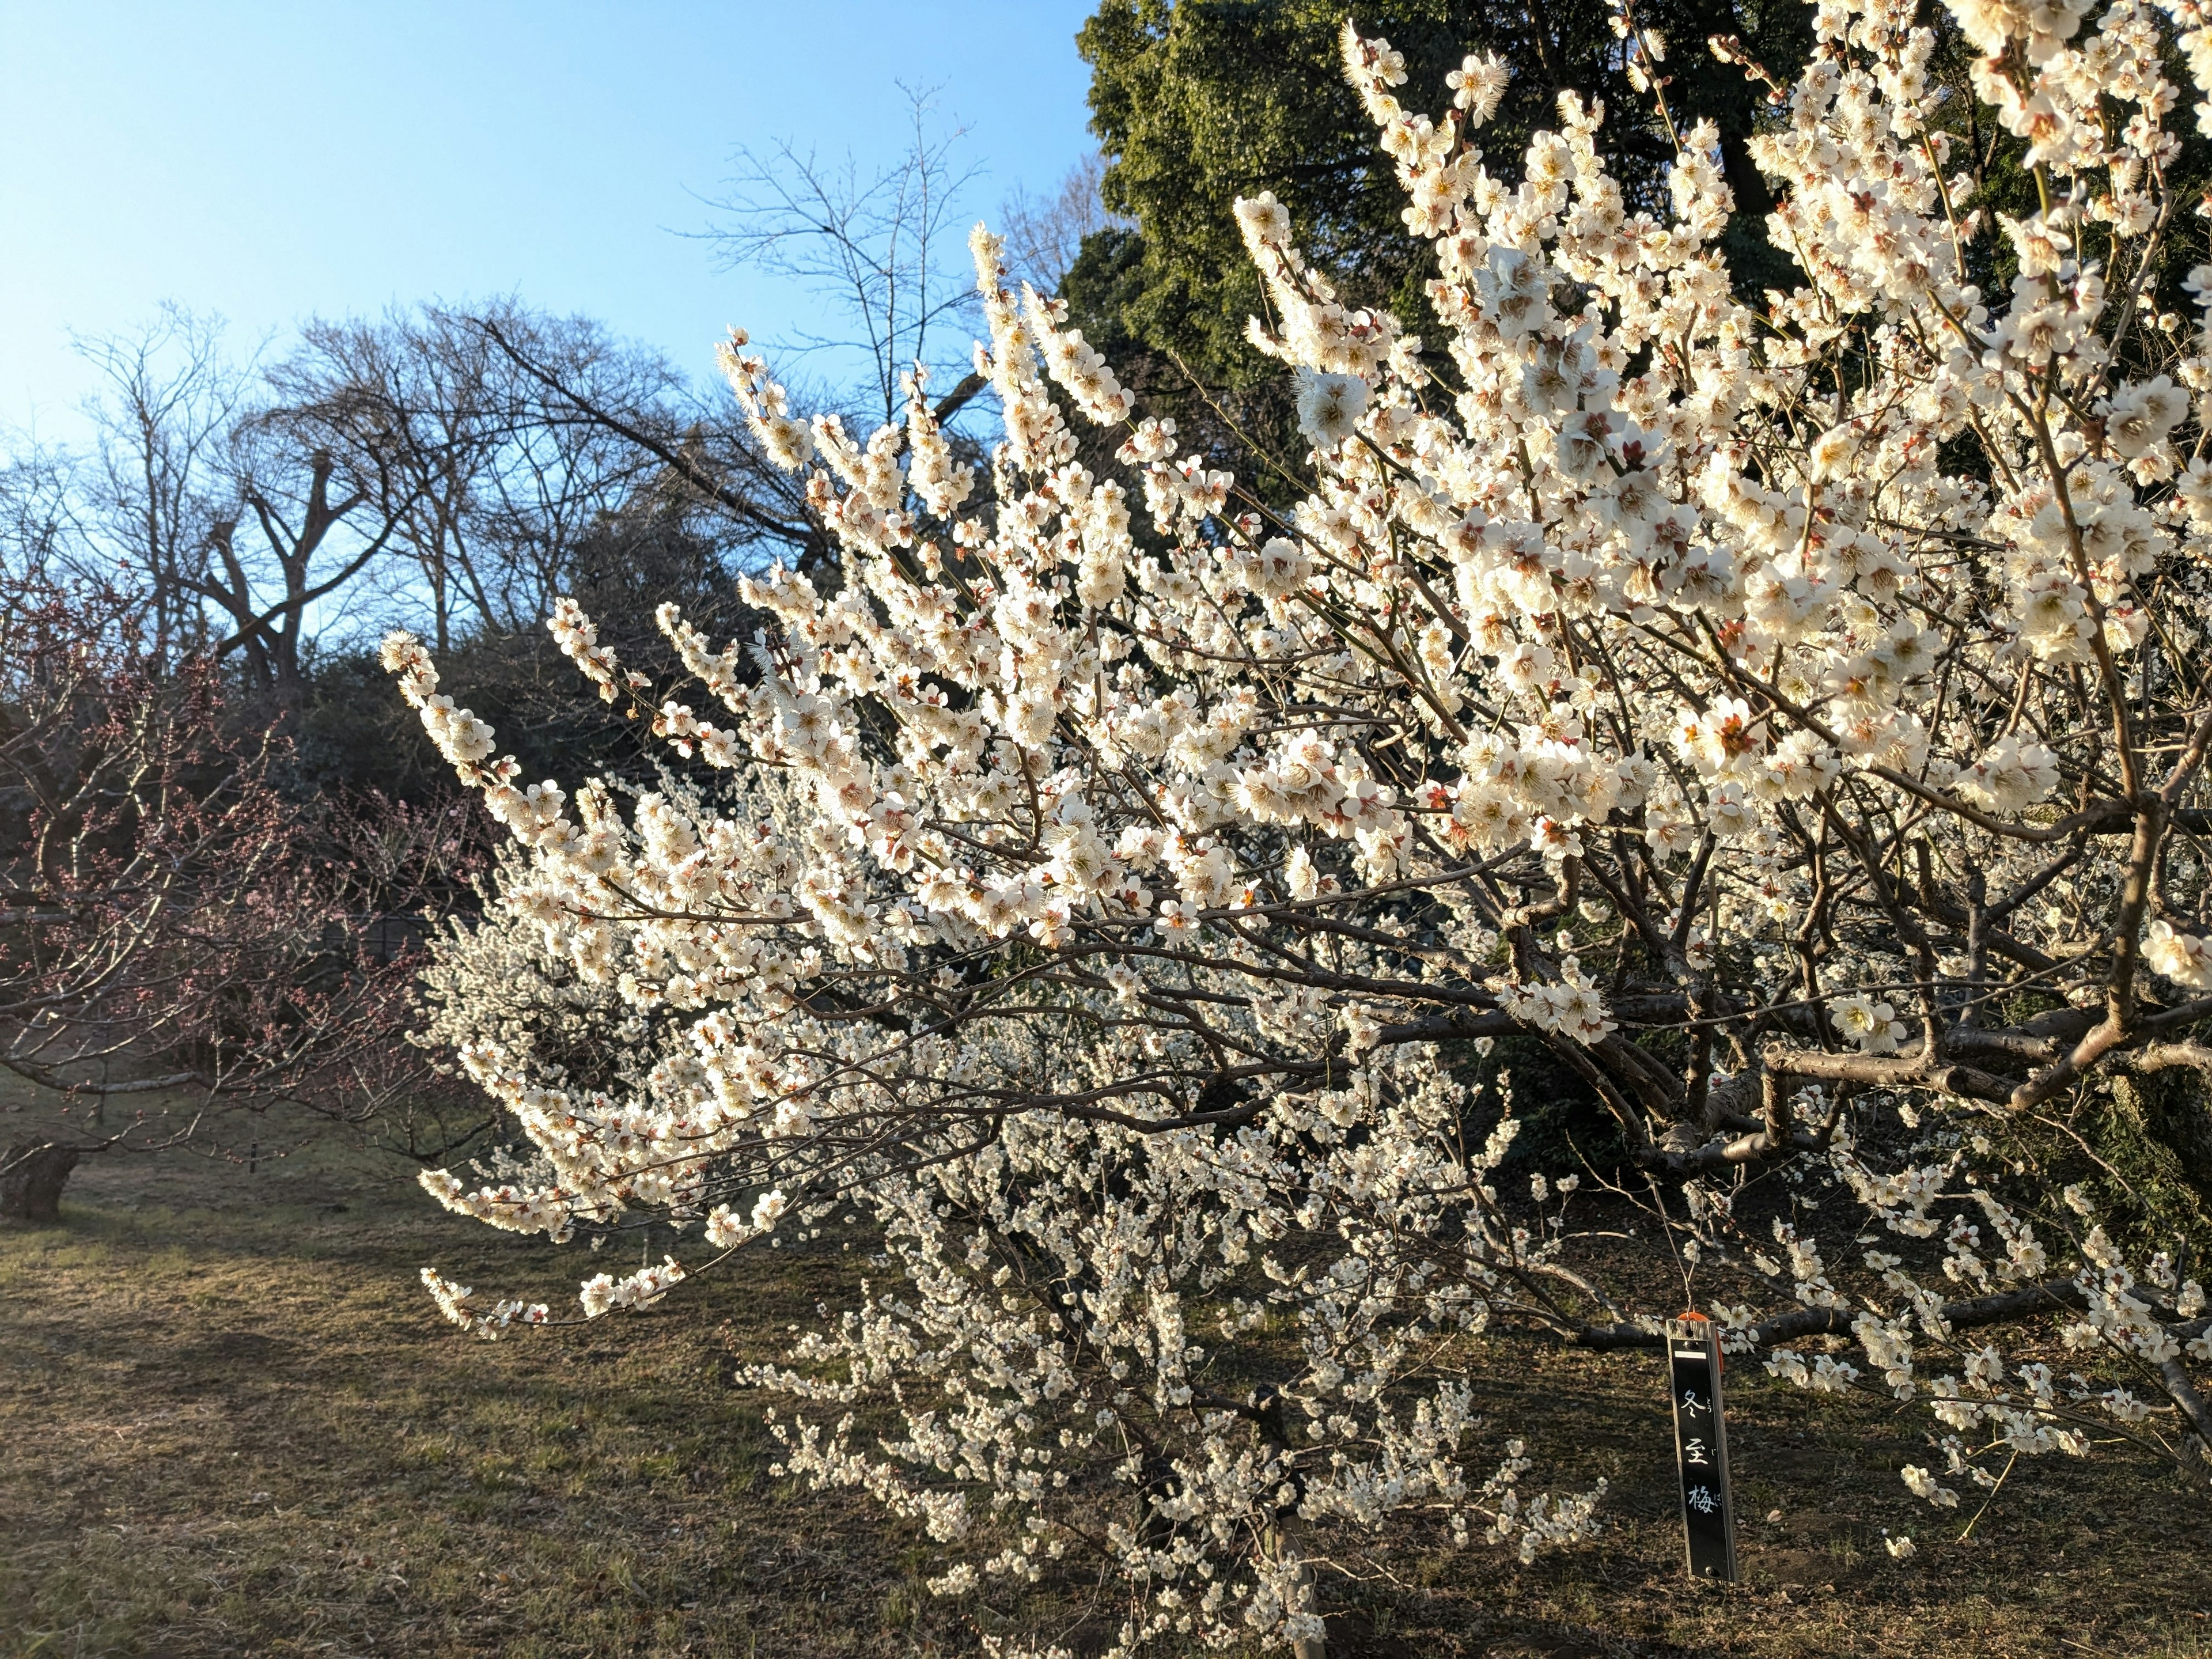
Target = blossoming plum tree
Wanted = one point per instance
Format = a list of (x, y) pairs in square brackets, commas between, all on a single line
[(1792, 718)]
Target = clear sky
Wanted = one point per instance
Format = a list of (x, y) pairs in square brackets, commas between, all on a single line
[(274, 161)]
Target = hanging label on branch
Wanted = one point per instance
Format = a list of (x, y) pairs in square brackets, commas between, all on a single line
[(1693, 1361)]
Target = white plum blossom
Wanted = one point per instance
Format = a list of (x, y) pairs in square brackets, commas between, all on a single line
[(2184, 957), (1329, 406), (1873, 1025)]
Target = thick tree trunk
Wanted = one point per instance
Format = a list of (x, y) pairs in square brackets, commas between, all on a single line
[(2173, 1108), (31, 1174)]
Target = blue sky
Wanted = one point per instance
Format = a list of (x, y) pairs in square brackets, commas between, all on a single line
[(270, 162)]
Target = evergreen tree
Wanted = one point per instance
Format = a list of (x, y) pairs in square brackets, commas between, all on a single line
[(1196, 102)]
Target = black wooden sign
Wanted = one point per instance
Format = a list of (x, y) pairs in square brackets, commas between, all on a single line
[(1693, 1363)]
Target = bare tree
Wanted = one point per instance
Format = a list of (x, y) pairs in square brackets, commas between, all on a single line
[(884, 248), (474, 415), (581, 400), (1045, 234), (157, 485), (301, 524), (40, 512), (231, 511), (404, 396), (560, 470)]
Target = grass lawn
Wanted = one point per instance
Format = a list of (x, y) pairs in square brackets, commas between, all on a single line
[(231, 1425)]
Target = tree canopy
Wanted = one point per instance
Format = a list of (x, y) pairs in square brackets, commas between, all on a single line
[(1197, 102)]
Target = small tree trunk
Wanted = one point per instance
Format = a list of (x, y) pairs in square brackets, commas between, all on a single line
[(31, 1174), (1302, 1597)]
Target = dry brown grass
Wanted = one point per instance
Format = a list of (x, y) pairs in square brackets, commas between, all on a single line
[(231, 1427)]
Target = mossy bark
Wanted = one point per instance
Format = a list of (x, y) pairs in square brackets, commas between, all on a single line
[(2159, 1140)]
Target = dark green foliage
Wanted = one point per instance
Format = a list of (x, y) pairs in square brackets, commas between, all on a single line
[(1196, 102)]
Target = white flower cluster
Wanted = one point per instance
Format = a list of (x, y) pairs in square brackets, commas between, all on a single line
[(459, 1303), (602, 1293)]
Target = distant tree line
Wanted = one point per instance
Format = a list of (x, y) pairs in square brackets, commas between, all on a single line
[(222, 843)]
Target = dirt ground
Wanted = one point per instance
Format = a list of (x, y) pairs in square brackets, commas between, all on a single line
[(232, 1426)]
